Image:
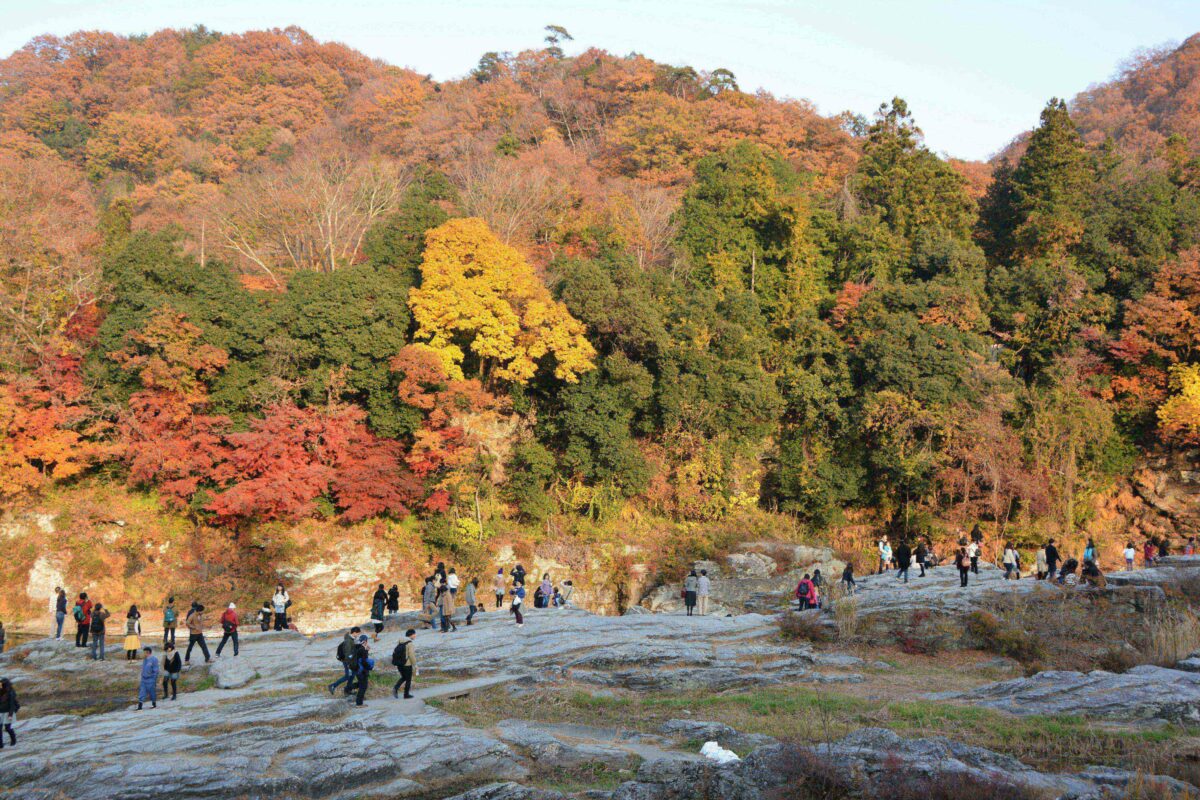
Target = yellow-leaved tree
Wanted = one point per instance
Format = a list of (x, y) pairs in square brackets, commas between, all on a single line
[(1179, 416), (478, 294)]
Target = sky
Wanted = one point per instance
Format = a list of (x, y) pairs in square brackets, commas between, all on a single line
[(974, 72)]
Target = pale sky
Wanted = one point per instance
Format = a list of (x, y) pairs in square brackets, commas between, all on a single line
[(974, 72)]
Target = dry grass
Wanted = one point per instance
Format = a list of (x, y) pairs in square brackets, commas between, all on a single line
[(1174, 634)]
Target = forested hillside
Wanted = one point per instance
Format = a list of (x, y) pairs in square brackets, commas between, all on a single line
[(263, 279)]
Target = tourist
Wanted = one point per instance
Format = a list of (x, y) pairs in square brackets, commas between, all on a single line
[(9, 706), (848, 578), (1067, 576), (1148, 551), (439, 573), (1189, 549), (172, 665), (1164, 547), (1052, 559), (885, 554), (1092, 576), (229, 629), (973, 554), (903, 561), (472, 587), (60, 611), (703, 589), (1039, 563), (518, 574), (921, 555), (1010, 562), (393, 600), (378, 610), (445, 605), (405, 660), (690, 583), (1089, 551), (569, 590), (148, 686), (195, 626), (428, 598), (518, 598), (83, 619), (264, 616), (452, 581), (363, 665), (547, 590), (281, 601), (2, 637), (803, 591), (557, 600), (96, 629), (498, 586), (170, 620), (133, 633), (963, 562), (345, 656), (1130, 554)]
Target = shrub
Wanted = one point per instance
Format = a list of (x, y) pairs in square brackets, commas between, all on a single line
[(1174, 633), (806, 625), (1004, 639)]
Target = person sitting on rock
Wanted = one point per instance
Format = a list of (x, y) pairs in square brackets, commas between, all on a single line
[(1067, 576), (1092, 576)]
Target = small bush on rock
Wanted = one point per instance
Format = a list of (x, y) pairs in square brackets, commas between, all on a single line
[(1004, 639), (806, 625)]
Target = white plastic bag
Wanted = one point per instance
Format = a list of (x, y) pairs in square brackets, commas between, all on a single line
[(714, 752)]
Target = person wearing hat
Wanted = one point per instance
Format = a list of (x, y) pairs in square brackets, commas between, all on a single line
[(363, 664), (195, 626), (229, 628), (148, 687)]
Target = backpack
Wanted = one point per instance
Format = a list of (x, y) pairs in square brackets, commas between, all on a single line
[(399, 653), (77, 612), (339, 654), (169, 616)]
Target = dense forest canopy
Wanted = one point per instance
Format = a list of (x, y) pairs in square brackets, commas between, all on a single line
[(270, 278)]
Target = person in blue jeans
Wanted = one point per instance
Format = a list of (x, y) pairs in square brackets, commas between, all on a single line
[(148, 687), (60, 611), (346, 656)]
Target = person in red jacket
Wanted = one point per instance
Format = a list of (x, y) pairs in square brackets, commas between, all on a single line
[(229, 626), (83, 618), (804, 591)]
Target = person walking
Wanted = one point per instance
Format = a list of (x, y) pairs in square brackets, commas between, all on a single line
[(963, 562), (498, 587), (848, 578), (264, 616), (195, 626), (280, 602), (470, 598), (96, 629), (703, 588), (363, 665), (1010, 562), (1130, 554), (170, 620), (9, 706), (445, 604), (133, 633), (393, 600), (172, 665), (60, 611), (518, 599), (229, 629), (903, 560), (1052, 559), (405, 660), (428, 601), (378, 609), (83, 619), (804, 591), (345, 656), (922, 555), (148, 686), (690, 584), (1039, 563)]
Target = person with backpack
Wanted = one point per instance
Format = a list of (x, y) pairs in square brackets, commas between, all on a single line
[(393, 600), (445, 606), (1052, 559), (96, 629), (83, 619), (518, 598), (470, 597), (170, 620), (133, 633), (690, 584), (264, 616), (172, 665), (498, 587), (963, 562), (148, 685), (405, 660), (344, 655), (363, 664), (9, 706), (804, 591), (229, 629), (378, 609), (195, 626), (903, 560), (60, 611), (281, 601)]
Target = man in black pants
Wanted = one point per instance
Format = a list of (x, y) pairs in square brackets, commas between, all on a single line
[(963, 562), (1052, 559), (405, 661), (362, 668)]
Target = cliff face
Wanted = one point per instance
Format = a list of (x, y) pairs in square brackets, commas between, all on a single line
[(1166, 487)]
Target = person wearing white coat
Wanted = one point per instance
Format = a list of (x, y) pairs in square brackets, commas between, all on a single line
[(279, 604)]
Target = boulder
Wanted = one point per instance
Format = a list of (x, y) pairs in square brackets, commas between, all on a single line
[(750, 565), (509, 791), (232, 672), (725, 735), (552, 751)]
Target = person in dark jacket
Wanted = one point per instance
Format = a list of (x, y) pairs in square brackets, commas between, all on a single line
[(393, 600), (1052, 559), (922, 555), (60, 611), (8, 712), (345, 655), (963, 562), (903, 560), (96, 629), (518, 574), (264, 616), (83, 620), (172, 665), (848, 578), (363, 664), (378, 609)]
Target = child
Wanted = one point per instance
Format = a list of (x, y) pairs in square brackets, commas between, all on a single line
[(133, 630), (1130, 555)]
